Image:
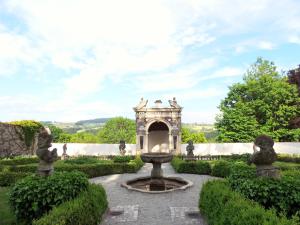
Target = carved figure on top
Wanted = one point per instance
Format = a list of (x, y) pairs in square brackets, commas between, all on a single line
[(64, 155), (173, 103), (46, 156), (122, 147), (263, 157), (190, 148), (142, 104)]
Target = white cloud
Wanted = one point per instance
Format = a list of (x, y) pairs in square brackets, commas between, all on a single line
[(195, 94), (294, 39), (266, 45)]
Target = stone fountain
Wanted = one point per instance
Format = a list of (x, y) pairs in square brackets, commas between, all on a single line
[(157, 183), (158, 139)]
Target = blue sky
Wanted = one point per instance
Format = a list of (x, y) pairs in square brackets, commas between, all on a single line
[(71, 60)]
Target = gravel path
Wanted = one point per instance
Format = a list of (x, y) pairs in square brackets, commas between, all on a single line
[(173, 208)]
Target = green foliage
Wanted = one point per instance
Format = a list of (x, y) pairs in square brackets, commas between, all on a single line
[(8, 178), (19, 161), (221, 205), (84, 137), (56, 132), (122, 159), (196, 137), (117, 129), (263, 104), (287, 166), (7, 217), (30, 128), (221, 169), (34, 195), (194, 167), (82, 160), (288, 158), (237, 157), (281, 194), (87, 208)]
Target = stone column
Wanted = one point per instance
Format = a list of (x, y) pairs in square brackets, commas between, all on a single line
[(170, 142), (146, 147)]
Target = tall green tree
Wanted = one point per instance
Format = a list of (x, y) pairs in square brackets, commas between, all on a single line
[(264, 103), (196, 137), (117, 129)]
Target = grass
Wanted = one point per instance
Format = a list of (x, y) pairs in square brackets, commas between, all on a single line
[(6, 215)]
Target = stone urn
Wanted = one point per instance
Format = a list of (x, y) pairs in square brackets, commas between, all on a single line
[(156, 158)]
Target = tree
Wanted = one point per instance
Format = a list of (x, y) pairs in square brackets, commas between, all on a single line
[(196, 137), (264, 103), (56, 132), (117, 129)]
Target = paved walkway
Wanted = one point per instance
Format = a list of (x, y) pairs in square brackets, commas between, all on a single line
[(173, 208)]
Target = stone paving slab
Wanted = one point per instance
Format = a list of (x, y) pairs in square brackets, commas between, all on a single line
[(170, 208)]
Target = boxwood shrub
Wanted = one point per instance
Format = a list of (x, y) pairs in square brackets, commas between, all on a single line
[(8, 178), (34, 195), (221, 169), (281, 194), (194, 167), (87, 208), (19, 161), (220, 205), (122, 159)]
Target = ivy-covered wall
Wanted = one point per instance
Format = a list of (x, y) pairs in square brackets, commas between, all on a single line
[(18, 138)]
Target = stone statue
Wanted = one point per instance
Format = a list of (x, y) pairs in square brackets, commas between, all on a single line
[(173, 103), (122, 147), (64, 155), (263, 157), (45, 167), (190, 148), (142, 104)]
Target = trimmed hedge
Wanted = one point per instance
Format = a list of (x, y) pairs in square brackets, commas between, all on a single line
[(288, 158), (122, 159), (220, 205), (34, 195), (221, 168), (87, 208), (19, 161), (194, 167), (91, 170), (9, 178), (281, 194)]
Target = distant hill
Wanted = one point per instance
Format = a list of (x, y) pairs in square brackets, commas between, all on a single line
[(93, 121)]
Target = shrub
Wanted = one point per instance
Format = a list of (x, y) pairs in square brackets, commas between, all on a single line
[(82, 160), (87, 208), (194, 167), (8, 178), (221, 169), (19, 161), (221, 205), (34, 195), (281, 194), (30, 168), (287, 166), (288, 158), (122, 159), (237, 157)]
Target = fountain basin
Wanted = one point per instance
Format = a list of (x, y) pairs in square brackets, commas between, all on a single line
[(156, 158), (155, 186)]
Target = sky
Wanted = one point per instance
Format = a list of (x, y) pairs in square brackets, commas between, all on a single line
[(69, 60)]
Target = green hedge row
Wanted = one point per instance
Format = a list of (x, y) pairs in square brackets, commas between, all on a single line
[(220, 205), (87, 208), (19, 161), (91, 170), (281, 194), (195, 167), (288, 158), (8, 178)]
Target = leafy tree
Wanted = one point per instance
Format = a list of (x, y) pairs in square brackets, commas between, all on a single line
[(83, 137), (117, 129), (264, 103), (196, 137), (56, 132)]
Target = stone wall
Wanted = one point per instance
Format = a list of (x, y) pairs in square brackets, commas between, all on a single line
[(12, 141), (200, 149)]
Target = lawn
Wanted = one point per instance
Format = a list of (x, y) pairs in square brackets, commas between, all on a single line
[(6, 215)]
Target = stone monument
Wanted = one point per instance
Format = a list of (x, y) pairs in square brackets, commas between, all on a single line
[(158, 127), (64, 155), (45, 167), (190, 148), (122, 147), (263, 157)]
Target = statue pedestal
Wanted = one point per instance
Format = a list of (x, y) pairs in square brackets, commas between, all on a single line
[(45, 169), (267, 171)]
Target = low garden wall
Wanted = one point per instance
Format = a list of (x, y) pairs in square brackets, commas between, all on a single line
[(200, 149)]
